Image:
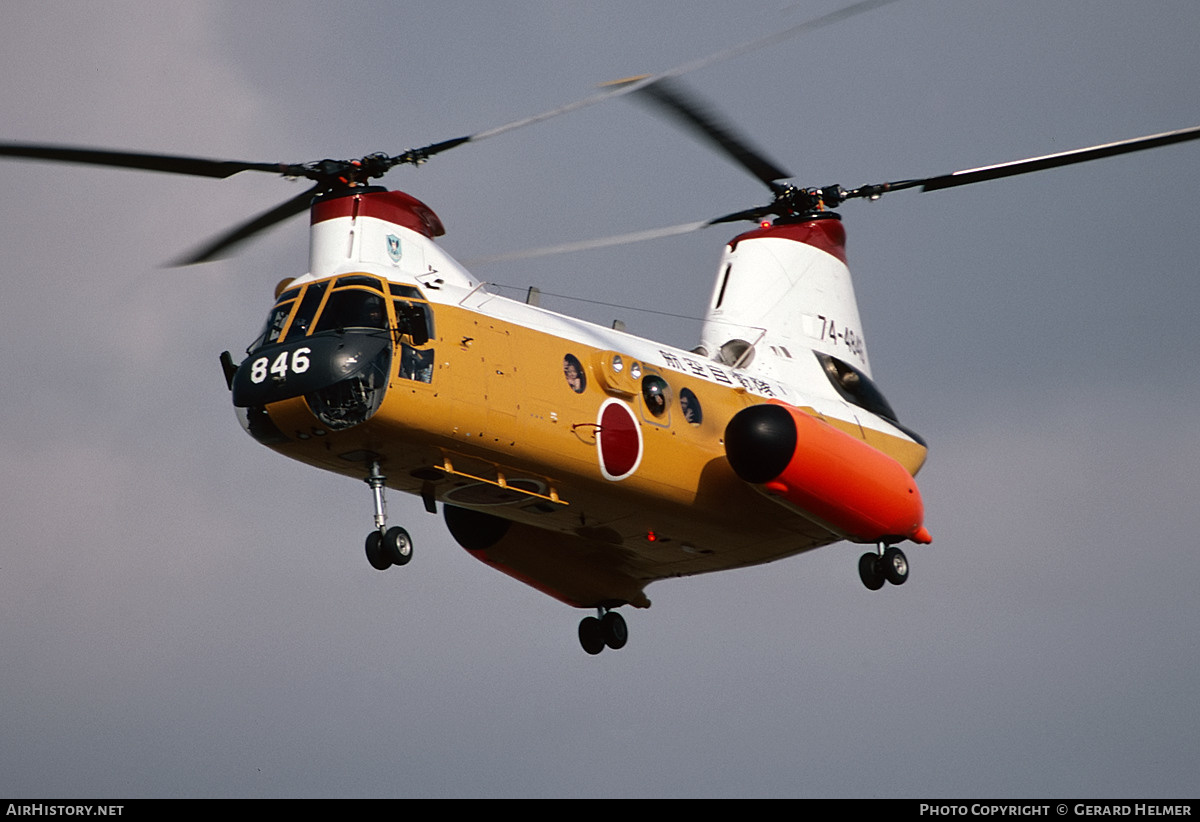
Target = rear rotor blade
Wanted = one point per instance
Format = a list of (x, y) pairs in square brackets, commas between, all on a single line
[(1064, 158), (672, 98), (1026, 166)]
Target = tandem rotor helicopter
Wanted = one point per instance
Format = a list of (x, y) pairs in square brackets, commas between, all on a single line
[(579, 459)]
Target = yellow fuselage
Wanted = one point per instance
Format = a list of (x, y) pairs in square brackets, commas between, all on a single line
[(498, 427)]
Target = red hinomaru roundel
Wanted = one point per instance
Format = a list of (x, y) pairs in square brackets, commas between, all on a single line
[(618, 440)]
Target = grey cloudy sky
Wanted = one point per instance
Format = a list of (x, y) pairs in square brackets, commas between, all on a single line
[(185, 613)]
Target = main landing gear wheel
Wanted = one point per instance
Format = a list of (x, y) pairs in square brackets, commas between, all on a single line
[(870, 571), (393, 547), (895, 566), (590, 635), (607, 630), (876, 569), (614, 630)]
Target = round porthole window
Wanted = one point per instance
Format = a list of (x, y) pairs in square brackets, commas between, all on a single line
[(654, 393)]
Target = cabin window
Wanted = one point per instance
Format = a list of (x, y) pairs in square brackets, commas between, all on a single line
[(689, 406), (724, 284), (573, 372), (415, 363), (654, 393)]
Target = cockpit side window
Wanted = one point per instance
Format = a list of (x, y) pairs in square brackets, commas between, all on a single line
[(276, 322), (415, 320), (401, 290), (414, 330), (855, 387)]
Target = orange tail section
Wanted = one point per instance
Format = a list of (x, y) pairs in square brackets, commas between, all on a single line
[(828, 476)]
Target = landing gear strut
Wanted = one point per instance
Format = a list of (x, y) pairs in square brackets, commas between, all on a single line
[(889, 565), (385, 546), (606, 629)]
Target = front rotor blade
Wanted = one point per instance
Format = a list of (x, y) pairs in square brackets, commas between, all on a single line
[(616, 90), (173, 164), (1065, 158), (220, 246), (684, 106), (749, 214)]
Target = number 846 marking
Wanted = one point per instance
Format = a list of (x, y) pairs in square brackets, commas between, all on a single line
[(295, 361)]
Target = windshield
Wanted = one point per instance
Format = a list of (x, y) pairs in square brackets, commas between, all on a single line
[(352, 308)]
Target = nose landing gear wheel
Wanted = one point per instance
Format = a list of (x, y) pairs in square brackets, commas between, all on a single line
[(397, 546), (375, 554), (389, 547)]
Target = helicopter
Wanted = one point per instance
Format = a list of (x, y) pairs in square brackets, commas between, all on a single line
[(577, 458)]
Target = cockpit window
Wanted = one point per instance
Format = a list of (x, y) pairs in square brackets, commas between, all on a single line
[(414, 331), (399, 290), (276, 322), (358, 279), (414, 319), (352, 308), (307, 310), (855, 386)]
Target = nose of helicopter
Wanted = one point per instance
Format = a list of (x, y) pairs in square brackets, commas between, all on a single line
[(342, 374)]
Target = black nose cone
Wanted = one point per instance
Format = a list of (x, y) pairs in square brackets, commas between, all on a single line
[(760, 441)]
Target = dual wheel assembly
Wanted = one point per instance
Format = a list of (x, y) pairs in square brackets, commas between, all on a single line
[(387, 548), (889, 566), (608, 630)]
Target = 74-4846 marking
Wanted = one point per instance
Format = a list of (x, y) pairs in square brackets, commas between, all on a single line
[(847, 336)]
